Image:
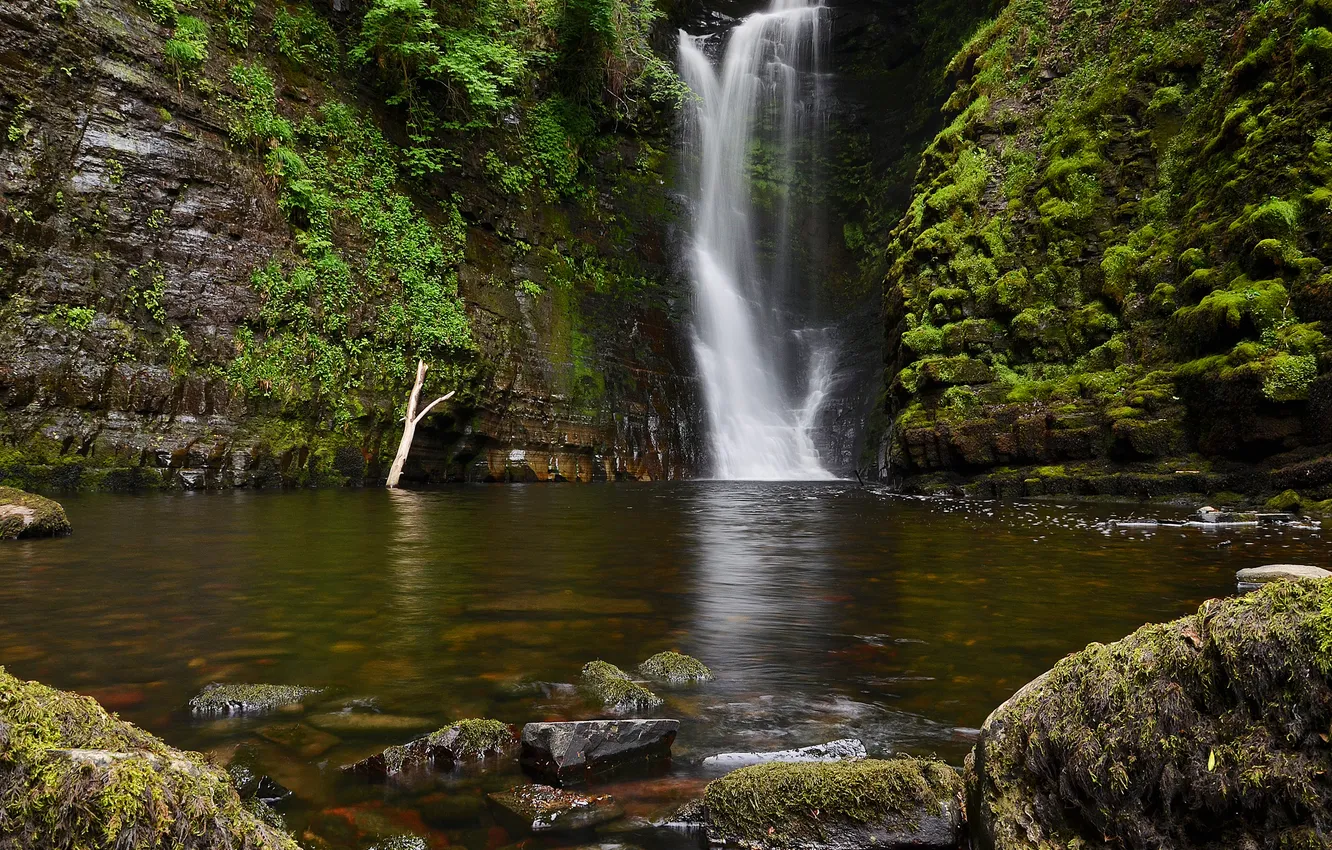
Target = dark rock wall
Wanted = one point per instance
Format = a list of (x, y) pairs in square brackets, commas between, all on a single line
[(130, 227)]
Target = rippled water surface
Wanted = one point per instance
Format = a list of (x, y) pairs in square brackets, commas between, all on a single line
[(826, 611)]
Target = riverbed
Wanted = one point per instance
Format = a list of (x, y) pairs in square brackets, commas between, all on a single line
[(825, 611)]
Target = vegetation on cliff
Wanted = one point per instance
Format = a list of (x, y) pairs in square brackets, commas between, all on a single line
[(1207, 732), (1123, 232)]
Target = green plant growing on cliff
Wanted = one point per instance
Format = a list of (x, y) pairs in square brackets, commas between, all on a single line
[(306, 39), (162, 11), (74, 318), (187, 49)]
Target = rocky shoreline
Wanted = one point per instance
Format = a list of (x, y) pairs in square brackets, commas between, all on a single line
[(1204, 732)]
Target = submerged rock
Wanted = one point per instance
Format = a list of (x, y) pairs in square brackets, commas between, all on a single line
[(675, 668), (1253, 577), (299, 738), (888, 803), (72, 775), (247, 699), (613, 688), (27, 515), (1209, 731), (568, 751), (541, 808), (843, 750), (465, 740), (367, 722)]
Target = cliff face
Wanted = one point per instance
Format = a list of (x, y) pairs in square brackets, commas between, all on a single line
[(1113, 276), (217, 267)]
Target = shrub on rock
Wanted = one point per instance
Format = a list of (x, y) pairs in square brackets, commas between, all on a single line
[(26, 515), (1210, 731), (72, 776)]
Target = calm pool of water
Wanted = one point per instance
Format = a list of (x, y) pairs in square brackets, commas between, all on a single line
[(826, 611)]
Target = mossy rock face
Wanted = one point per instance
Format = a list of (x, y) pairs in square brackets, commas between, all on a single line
[(613, 688), (73, 776), (1206, 732), (247, 699), (26, 515), (466, 740), (675, 668), (887, 803)]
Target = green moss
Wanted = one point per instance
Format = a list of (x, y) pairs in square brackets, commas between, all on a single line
[(247, 699), (1224, 709), (1287, 500), (476, 737), (613, 688), (73, 776), (675, 668), (27, 515), (790, 803), (1289, 376)]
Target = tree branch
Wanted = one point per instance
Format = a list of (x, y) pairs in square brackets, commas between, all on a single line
[(422, 414)]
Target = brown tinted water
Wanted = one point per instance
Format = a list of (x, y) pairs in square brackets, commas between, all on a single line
[(826, 611)]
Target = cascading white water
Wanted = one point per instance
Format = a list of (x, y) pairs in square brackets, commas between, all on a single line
[(744, 343)]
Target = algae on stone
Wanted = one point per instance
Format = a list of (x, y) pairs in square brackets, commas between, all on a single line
[(806, 803), (675, 668), (465, 740), (247, 698), (73, 776), (615, 690), (1209, 731), (27, 515)]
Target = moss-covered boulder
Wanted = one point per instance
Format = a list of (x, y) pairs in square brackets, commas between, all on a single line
[(882, 803), (26, 515), (1207, 732), (613, 688), (466, 740), (675, 668), (73, 776), (247, 698)]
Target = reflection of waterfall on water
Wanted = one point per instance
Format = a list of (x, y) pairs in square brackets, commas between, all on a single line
[(765, 95), (762, 570)]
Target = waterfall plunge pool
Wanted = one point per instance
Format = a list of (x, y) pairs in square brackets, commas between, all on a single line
[(825, 611)]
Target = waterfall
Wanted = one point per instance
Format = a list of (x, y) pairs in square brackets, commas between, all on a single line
[(764, 377)]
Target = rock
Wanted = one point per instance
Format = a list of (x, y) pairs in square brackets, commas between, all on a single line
[(886, 804), (1156, 740), (366, 723), (466, 740), (24, 515), (541, 808), (613, 688), (562, 752), (299, 738), (247, 699), (1211, 516), (845, 749), (675, 668), (71, 770), (1254, 577), (690, 815)]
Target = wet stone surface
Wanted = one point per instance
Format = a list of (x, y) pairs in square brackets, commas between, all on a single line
[(542, 808), (564, 752)]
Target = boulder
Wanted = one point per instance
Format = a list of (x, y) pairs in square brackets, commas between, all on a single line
[(26, 515), (218, 699), (675, 668), (562, 752), (882, 803), (845, 749), (616, 692), (465, 740), (73, 776), (541, 808), (1206, 732), (1253, 577)]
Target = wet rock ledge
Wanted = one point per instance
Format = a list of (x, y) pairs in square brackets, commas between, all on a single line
[(73, 776), (26, 515)]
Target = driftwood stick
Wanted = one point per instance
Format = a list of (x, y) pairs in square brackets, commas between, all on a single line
[(408, 428)]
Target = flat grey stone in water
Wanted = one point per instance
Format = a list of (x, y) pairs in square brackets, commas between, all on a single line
[(1254, 576), (541, 808), (846, 749), (563, 751)]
